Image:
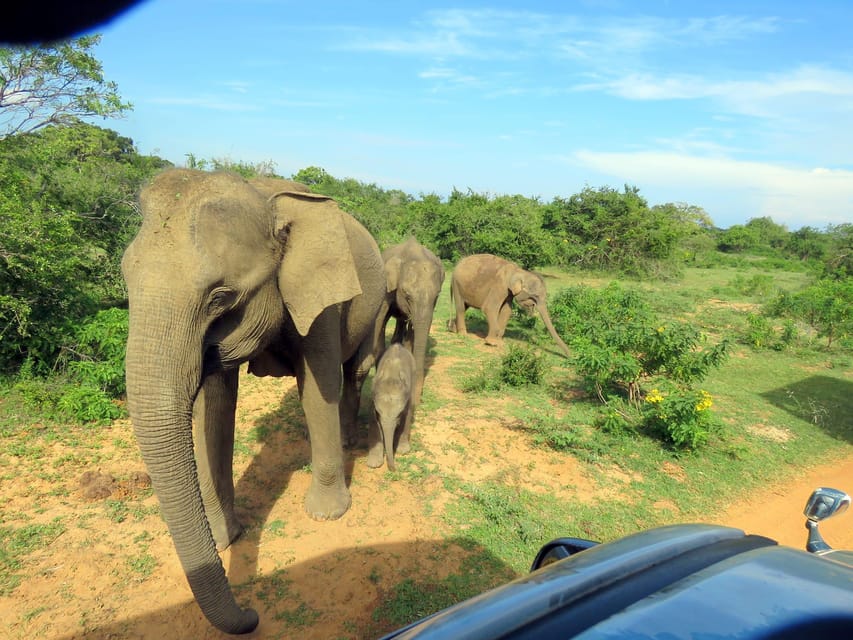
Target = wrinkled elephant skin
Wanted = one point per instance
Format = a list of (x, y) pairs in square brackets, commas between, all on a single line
[(224, 272), (414, 276), (393, 405), (490, 283)]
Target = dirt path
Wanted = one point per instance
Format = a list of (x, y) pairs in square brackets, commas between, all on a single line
[(110, 570), (776, 512)]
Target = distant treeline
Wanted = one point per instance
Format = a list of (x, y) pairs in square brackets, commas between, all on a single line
[(67, 210)]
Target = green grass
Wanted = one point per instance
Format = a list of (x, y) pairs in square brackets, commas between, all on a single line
[(803, 397), (16, 543), (780, 411)]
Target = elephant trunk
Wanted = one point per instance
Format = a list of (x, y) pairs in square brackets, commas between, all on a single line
[(387, 428), (421, 325), (546, 318), (161, 389)]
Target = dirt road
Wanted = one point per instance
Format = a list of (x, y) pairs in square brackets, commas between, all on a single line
[(776, 511)]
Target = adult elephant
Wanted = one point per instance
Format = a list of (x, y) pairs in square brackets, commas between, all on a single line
[(414, 276), (224, 272), (490, 283)]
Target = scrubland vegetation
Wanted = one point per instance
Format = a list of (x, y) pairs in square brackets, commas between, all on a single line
[(688, 341)]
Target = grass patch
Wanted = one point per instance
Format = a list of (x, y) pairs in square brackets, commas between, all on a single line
[(18, 543)]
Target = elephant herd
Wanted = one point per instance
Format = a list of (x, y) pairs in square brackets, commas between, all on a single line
[(226, 271)]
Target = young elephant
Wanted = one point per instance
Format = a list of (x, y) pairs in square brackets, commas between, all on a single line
[(393, 406), (490, 283)]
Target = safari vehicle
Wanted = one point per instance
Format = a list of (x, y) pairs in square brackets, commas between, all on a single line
[(679, 581)]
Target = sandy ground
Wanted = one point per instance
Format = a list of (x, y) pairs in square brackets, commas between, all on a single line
[(110, 571)]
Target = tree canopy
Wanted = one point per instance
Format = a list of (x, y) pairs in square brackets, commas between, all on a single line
[(54, 84)]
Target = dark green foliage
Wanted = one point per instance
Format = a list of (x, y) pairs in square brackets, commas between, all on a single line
[(67, 211), (826, 306), (620, 347), (506, 226), (519, 366), (383, 213), (97, 356), (838, 262), (90, 377), (617, 231)]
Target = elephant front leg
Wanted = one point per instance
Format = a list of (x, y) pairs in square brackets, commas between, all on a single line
[(375, 444), (319, 377), (213, 416), (404, 443), (498, 319)]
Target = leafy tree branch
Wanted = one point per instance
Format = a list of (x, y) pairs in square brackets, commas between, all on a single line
[(54, 84)]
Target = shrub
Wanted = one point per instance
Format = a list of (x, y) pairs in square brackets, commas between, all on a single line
[(91, 376), (681, 417), (620, 342), (96, 358), (521, 366), (518, 367), (620, 346)]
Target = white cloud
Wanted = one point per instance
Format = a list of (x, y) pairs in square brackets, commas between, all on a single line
[(752, 97), (794, 196)]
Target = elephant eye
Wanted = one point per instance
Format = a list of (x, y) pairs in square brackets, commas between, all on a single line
[(220, 300)]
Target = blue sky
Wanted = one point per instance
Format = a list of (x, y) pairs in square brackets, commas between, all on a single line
[(743, 108)]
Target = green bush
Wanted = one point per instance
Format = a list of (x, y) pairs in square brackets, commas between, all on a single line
[(620, 347), (619, 342), (827, 306), (91, 379), (518, 367), (96, 358), (681, 417)]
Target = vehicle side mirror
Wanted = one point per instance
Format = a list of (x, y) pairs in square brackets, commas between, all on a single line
[(822, 504), (559, 549)]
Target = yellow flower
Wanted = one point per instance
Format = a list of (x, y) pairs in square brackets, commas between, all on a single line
[(705, 402), (654, 397), (661, 329)]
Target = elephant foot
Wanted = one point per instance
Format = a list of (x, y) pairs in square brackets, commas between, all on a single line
[(493, 342), (374, 459), (403, 446), (327, 501)]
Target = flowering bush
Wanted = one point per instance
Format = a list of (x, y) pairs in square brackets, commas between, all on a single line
[(681, 417), (620, 348)]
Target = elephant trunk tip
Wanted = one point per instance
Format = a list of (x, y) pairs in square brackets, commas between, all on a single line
[(246, 622)]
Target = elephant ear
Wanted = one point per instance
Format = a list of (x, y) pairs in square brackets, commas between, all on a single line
[(317, 267), (392, 271), (516, 282)]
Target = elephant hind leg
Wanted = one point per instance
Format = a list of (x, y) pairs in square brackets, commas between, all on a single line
[(355, 372)]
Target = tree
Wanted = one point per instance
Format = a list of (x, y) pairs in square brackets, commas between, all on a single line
[(607, 229), (67, 210), (54, 84)]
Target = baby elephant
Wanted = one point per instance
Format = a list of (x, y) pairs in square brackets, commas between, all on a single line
[(393, 406)]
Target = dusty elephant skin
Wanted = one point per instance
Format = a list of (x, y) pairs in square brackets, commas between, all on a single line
[(224, 272), (393, 403), (414, 277), (490, 283)]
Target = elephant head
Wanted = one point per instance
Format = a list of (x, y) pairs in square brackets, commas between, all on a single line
[(528, 290), (414, 277), (220, 274)]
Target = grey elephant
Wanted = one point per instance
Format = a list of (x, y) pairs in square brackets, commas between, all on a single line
[(393, 405), (224, 272), (414, 277), (489, 283)]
